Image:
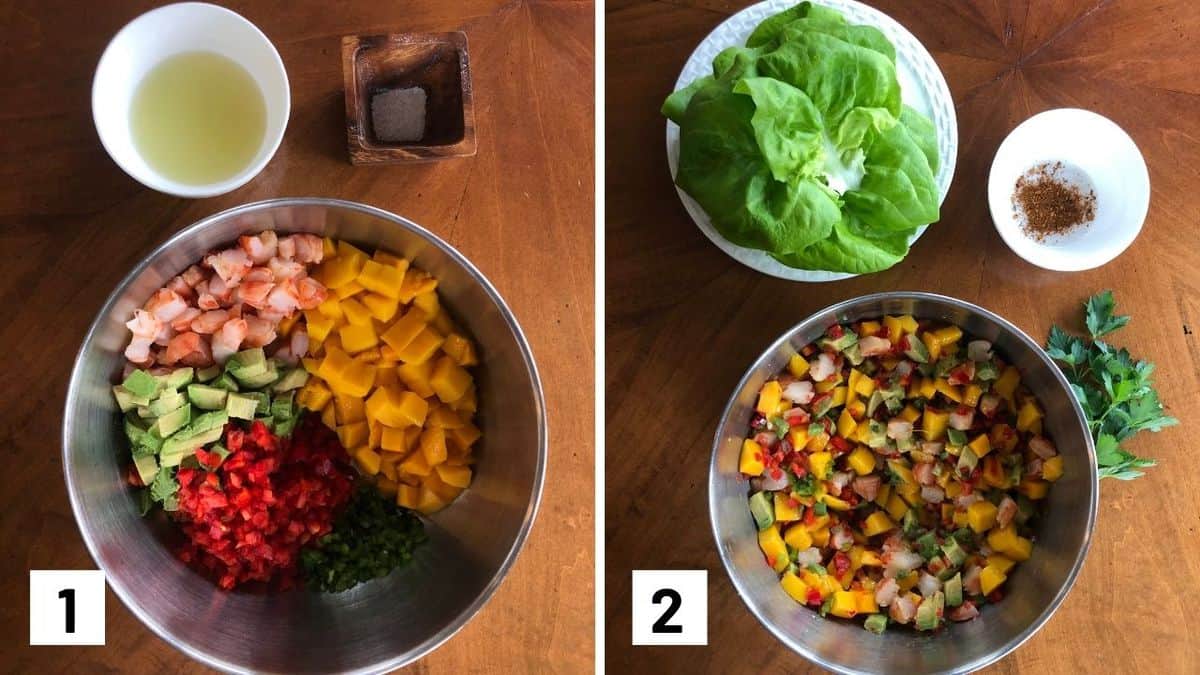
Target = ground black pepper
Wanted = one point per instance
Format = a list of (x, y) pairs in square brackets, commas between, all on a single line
[(1049, 205)]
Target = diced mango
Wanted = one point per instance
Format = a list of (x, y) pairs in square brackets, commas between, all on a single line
[(839, 396), (794, 587), (820, 537), (386, 258), (329, 416), (866, 602), (819, 464), (350, 409), (407, 496), (1006, 384), (773, 548), (433, 445), (769, 397), (367, 460), (846, 424), (797, 366), (990, 579), (315, 395), (1052, 469), (1000, 563), (395, 408), (382, 279), (786, 508), (1034, 488), (845, 604), (981, 445), (835, 503), (981, 516), (403, 330), (1028, 415), (798, 537), (465, 436), (877, 523), (457, 476), (862, 460), (421, 347), (971, 395), (353, 435), (751, 460), (928, 387), (356, 312), (428, 302), (415, 464), (356, 338), (393, 439), (934, 423), (318, 325), (416, 282), (449, 380), (948, 390), (948, 335), (387, 486), (460, 349), (895, 330), (932, 346), (339, 271), (430, 501), (817, 442)]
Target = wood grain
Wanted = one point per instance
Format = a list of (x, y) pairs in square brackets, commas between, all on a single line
[(683, 320), (72, 224)]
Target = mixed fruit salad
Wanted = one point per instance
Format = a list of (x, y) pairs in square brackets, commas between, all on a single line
[(895, 472), (267, 381)]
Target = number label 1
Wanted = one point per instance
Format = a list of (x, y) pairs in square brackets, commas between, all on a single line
[(68, 594), (66, 607), (670, 607)]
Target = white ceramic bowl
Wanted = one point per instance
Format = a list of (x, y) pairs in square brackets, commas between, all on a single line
[(160, 33), (1096, 155), (922, 86)]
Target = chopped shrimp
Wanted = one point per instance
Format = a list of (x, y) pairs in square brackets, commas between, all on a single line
[(189, 348), (254, 293), (165, 333), (193, 275), (287, 248), (207, 301), (284, 298), (259, 332), (260, 274), (260, 247), (285, 269), (299, 342), (310, 293), (270, 315), (144, 325), (184, 321), (166, 304), (235, 310), (309, 248), (208, 322), (231, 264), (227, 340), (181, 287), (138, 350)]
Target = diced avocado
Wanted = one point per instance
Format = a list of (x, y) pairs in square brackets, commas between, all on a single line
[(893, 397), (283, 406), (173, 421), (220, 451), (874, 402), (247, 363), (145, 501), (927, 618), (127, 400), (285, 427), (945, 365), (854, 354), (208, 374), (226, 382), (908, 445), (175, 449), (203, 423), (147, 468), (269, 422), (927, 545), (206, 397), (821, 405), (763, 510), (916, 350), (876, 434), (141, 384), (241, 406), (956, 437), (939, 602), (842, 343), (910, 524), (167, 401), (876, 623), (144, 441), (180, 377), (143, 411), (293, 379), (954, 590), (967, 461), (947, 572), (954, 553), (268, 376), (262, 402)]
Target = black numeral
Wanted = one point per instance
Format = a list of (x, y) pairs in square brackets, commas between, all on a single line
[(68, 594), (672, 596)]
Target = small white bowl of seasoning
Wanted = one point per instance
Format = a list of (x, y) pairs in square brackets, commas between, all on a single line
[(191, 99), (1068, 190)]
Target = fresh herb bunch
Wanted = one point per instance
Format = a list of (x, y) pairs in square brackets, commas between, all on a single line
[(372, 537), (1114, 389)]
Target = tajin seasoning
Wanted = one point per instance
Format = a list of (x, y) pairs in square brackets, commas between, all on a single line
[(1049, 205)]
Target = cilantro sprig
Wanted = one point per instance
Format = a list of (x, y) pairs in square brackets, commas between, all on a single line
[(1114, 389)]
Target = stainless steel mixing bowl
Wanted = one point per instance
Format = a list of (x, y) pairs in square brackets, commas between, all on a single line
[(1035, 588), (376, 626)]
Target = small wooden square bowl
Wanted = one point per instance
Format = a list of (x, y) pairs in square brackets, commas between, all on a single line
[(435, 62)]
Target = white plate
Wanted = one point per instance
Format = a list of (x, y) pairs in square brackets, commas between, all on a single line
[(922, 86), (1096, 155)]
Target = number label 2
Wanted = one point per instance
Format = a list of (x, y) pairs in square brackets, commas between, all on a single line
[(672, 597)]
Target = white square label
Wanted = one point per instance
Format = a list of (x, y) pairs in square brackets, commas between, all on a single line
[(66, 607), (670, 607)]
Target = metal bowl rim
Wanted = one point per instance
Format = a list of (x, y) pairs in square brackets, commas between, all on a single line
[(1029, 342), (446, 632)]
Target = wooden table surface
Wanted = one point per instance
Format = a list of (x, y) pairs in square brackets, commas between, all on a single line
[(684, 321), (72, 224)]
